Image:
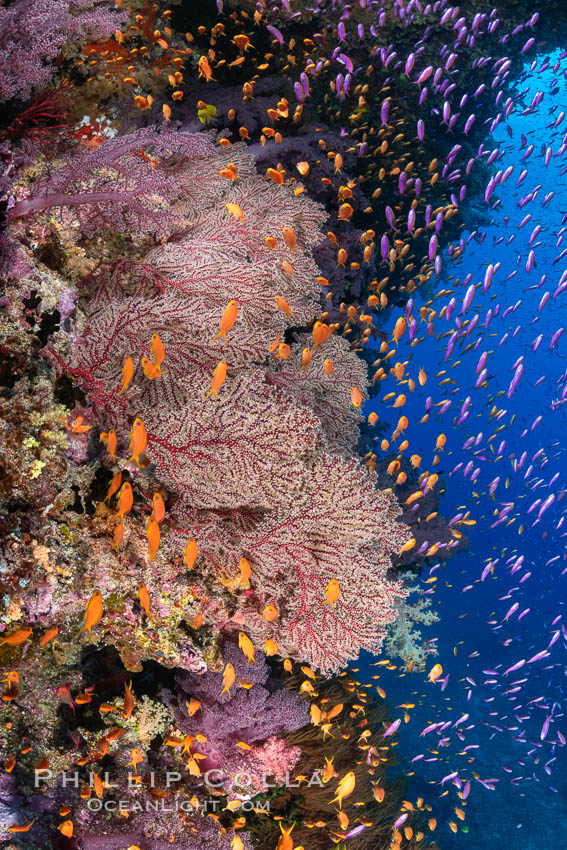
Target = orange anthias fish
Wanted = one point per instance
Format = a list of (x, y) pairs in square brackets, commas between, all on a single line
[(284, 351), (158, 507), (157, 351), (283, 306), (316, 715), (228, 679), (144, 597), (230, 172), (205, 69), (93, 612), (77, 427), (125, 499), (399, 329), (237, 843), (12, 691), (109, 440), (151, 371), (235, 211), (243, 42), (48, 636), (127, 374), (218, 378), (245, 572), (25, 828), (435, 672), (378, 793), (137, 758), (118, 535), (289, 237), (97, 784), (153, 535), (328, 770), (286, 841), (16, 638), (114, 485), (128, 705), (356, 396), (407, 546), (270, 613), (228, 319), (333, 591), (276, 176), (66, 828), (345, 212), (138, 441), (193, 706), (320, 333), (190, 553)]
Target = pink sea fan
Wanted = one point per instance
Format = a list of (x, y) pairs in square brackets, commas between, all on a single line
[(119, 184), (339, 527), (32, 33), (265, 471)]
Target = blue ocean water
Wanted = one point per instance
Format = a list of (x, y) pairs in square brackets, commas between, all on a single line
[(510, 745)]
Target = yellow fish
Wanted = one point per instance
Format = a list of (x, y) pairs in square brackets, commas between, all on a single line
[(328, 771), (228, 679), (345, 788), (206, 112), (235, 211), (247, 647)]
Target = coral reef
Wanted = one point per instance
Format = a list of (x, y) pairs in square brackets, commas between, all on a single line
[(205, 224), (33, 32), (261, 473)]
